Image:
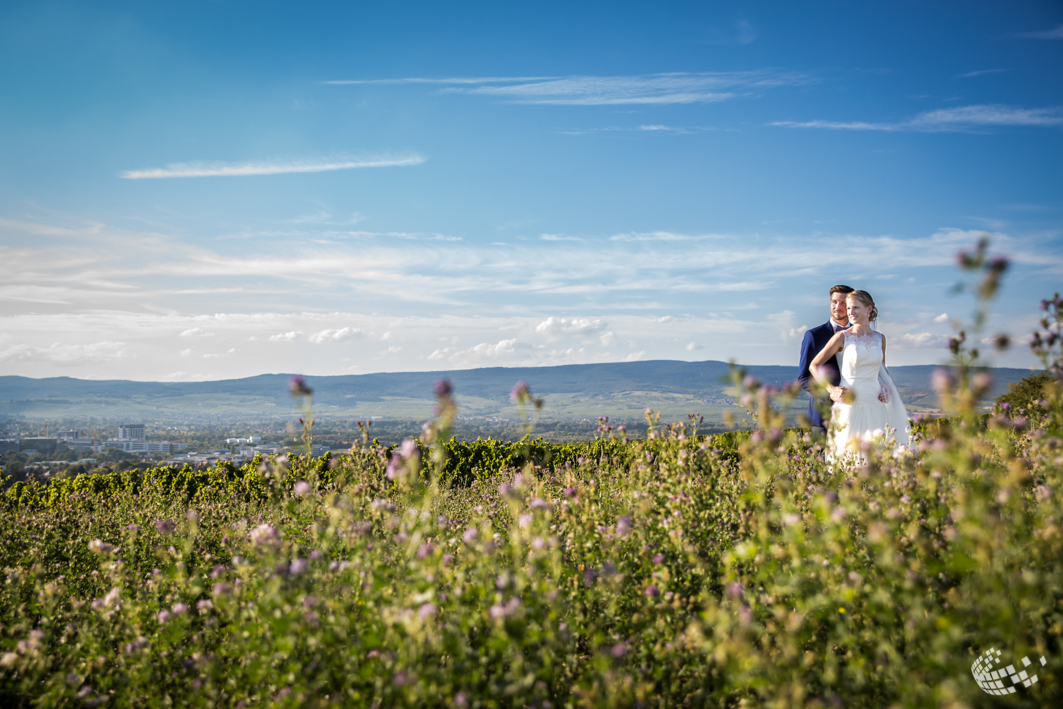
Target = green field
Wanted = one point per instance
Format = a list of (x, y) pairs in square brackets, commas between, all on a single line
[(674, 570)]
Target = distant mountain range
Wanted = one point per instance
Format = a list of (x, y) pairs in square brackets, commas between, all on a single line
[(576, 391)]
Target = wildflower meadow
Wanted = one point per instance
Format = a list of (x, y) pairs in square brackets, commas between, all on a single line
[(674, 570)]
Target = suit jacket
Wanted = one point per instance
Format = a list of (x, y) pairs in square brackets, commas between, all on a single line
[(815, 340)]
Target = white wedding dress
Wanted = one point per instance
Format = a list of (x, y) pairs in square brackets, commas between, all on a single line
[(866, 417)]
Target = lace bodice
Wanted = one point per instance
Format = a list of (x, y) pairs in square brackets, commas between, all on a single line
[(861, 357)]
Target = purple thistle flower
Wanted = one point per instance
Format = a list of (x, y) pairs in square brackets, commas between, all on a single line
[(408, 448), (165, 526), (652, 591), (941, 380), (297, 386), (520, 393), (444, 388)]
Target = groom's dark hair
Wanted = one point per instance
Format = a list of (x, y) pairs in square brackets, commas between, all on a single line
[(844, 290)]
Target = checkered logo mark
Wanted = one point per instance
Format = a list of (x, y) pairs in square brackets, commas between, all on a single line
[(992, 680)]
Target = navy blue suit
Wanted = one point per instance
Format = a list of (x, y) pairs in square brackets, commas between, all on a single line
[(815, 340)]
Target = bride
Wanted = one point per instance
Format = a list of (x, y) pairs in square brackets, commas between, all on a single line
[(867, 404)]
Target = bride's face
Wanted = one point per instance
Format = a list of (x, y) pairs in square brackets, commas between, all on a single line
[(858, 312)]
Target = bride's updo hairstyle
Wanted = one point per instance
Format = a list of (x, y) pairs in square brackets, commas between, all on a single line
[(864, 297)]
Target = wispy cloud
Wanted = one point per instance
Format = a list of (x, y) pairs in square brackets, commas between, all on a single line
[(1057, 33), (839, 125), (276, 167), (672, 88), (325, 217), (447, 80), (961, 118), (651, 236), (645, 128), (989, 115), (745, 32), (981, 72)]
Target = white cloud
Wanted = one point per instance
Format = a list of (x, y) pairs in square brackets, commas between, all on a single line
[(449, 80), (186, 352), (635, 356), (981, 72), (961, 118), (553, 327), (651, 236), (277, 167), (215, 355), (323, 216), (989, 115), (665, 319), (67, 354), (838, 125), (196, 332), (442, 353), (483, 351), (139, 288), (1057, 33), (489, 350), (340, 335), (693, 347), (944, 317), (674, 88)]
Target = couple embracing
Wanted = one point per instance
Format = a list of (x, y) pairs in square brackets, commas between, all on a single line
[(849, 357)]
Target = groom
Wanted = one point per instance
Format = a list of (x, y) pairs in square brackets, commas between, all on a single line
[(815, 340)]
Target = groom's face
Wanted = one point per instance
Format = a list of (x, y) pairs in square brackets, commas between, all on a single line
[(837, 308)]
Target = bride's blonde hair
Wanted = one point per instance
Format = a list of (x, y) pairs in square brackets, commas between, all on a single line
[(864, 297)]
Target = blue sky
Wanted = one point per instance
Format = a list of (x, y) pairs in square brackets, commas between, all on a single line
[(210, 190)]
